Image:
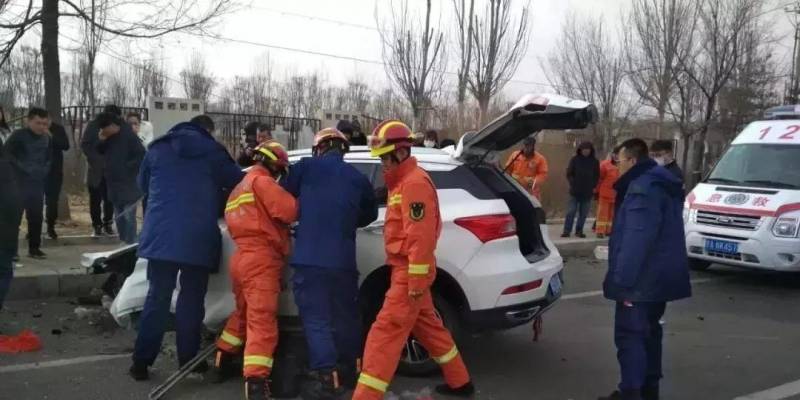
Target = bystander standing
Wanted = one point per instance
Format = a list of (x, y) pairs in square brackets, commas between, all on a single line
[(663, 153), (29, 151), (10, 216), (528, 167), (100, 207), (123, 152), (59, 143), (583, 173), (5, 130), (606, 195)]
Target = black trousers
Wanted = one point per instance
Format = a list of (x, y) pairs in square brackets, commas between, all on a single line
[(52, 191), (99, 204), (33, 200)]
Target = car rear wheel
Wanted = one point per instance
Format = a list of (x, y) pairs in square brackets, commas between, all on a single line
[(699, 265), (415, 359)]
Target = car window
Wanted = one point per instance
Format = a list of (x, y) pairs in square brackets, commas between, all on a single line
[(459, 178), (365, 168)]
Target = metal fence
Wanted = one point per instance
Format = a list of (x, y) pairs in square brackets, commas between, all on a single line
[(230, 128)]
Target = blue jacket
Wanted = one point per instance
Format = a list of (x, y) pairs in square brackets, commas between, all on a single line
[(335, 200), (647, 252), (187, 176)]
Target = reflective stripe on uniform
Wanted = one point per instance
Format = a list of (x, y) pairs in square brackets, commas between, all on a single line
[(418, 269), (395, 199), (230, 339), (263, 361), (244, 198), (449, 356), (373, 382)]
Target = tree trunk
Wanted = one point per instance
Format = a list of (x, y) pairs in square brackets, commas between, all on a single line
[(696, 165), (483, 103), (660, 126), (460, 122), (50, 62)]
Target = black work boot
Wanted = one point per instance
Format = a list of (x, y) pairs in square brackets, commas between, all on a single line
[(97, 231), (256, 389), (623, 395), (51, 232), (348, 374), (322, 385), (138, 371), (109, 229), (466, 390), (224, 367), (650, 393)]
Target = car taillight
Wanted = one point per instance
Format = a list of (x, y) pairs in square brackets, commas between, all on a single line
[(524, 287), (489, 227)]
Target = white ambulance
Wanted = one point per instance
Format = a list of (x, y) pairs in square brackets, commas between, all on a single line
[(746, 213)]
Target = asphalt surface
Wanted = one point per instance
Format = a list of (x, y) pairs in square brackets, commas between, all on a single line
[(739, 334)]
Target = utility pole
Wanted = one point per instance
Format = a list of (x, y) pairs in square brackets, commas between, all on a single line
[(794, 83)]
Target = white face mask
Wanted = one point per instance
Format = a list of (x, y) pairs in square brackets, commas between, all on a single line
[(662, 161), (429, 143)]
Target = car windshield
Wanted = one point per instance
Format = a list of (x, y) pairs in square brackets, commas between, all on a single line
[(759, 165)]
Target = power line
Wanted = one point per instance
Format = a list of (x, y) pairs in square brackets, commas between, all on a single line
[(315, 18)]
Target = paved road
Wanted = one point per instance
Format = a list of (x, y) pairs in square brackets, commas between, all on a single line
[(738, 335)]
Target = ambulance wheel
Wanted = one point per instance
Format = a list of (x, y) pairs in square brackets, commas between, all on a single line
[(699, 265), (415, 360)]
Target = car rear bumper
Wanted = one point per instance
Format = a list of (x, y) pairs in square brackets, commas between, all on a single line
[(509, 316)]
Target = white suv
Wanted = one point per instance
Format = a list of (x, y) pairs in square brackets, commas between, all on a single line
[(497, 268)]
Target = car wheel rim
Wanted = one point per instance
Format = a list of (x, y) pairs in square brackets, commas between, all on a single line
[(414, 352)]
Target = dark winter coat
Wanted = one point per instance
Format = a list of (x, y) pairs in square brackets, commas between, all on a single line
[(647, 252), (10, 203), (335, 199), (31, 155), (583, 173), (96, 161), (675, 169), (59, 143), (123, 154), (187, 176)]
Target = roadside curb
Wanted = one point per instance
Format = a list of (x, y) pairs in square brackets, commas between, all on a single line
[(52, 284), (79, 240), (579, 248)]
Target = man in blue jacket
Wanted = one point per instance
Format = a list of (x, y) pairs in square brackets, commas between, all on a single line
[(647, 267), (186, 175), (335, 199)]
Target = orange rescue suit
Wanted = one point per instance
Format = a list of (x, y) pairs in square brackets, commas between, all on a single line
[(258, 214), (606, 195), (529, 172), (411, 231)]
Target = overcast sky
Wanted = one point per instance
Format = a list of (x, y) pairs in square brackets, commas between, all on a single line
[(346, 28)]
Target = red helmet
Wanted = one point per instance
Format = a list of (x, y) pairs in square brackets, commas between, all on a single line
[(388, 136), (271, 153), (329, 134)]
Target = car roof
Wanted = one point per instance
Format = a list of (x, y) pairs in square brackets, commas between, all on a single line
[(361, 153)]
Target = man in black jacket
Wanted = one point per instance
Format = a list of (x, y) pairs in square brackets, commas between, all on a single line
[(123, 152), (10, 217), (100, 208), (29, 152), (663, 152), (58, 144), (583, 173)]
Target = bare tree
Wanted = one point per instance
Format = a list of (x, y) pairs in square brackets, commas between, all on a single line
[(356, 95), (716, 52), (657, 38), (131, 18), (118, 85), (92, 40), (150, 79), (262, 86), (29, 71), (465, 17), (587, 65), (500, 43), (196, 78), (413, 55)]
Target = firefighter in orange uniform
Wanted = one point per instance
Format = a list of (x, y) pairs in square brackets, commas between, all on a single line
[(412, 227), (528, 167), (258, 215)]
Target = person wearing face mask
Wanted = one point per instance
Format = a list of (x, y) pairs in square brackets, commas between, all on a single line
[(663, 152), (647, 267), (431, 139), (528, 167), (606, 194), (583, 173)]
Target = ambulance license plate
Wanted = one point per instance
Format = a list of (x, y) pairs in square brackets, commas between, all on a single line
[(721, 246)]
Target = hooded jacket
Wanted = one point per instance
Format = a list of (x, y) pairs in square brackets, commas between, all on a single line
[(583, 172), (647, 252), (186, 175)]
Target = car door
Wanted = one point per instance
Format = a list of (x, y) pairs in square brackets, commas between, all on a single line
[(370, 253)]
